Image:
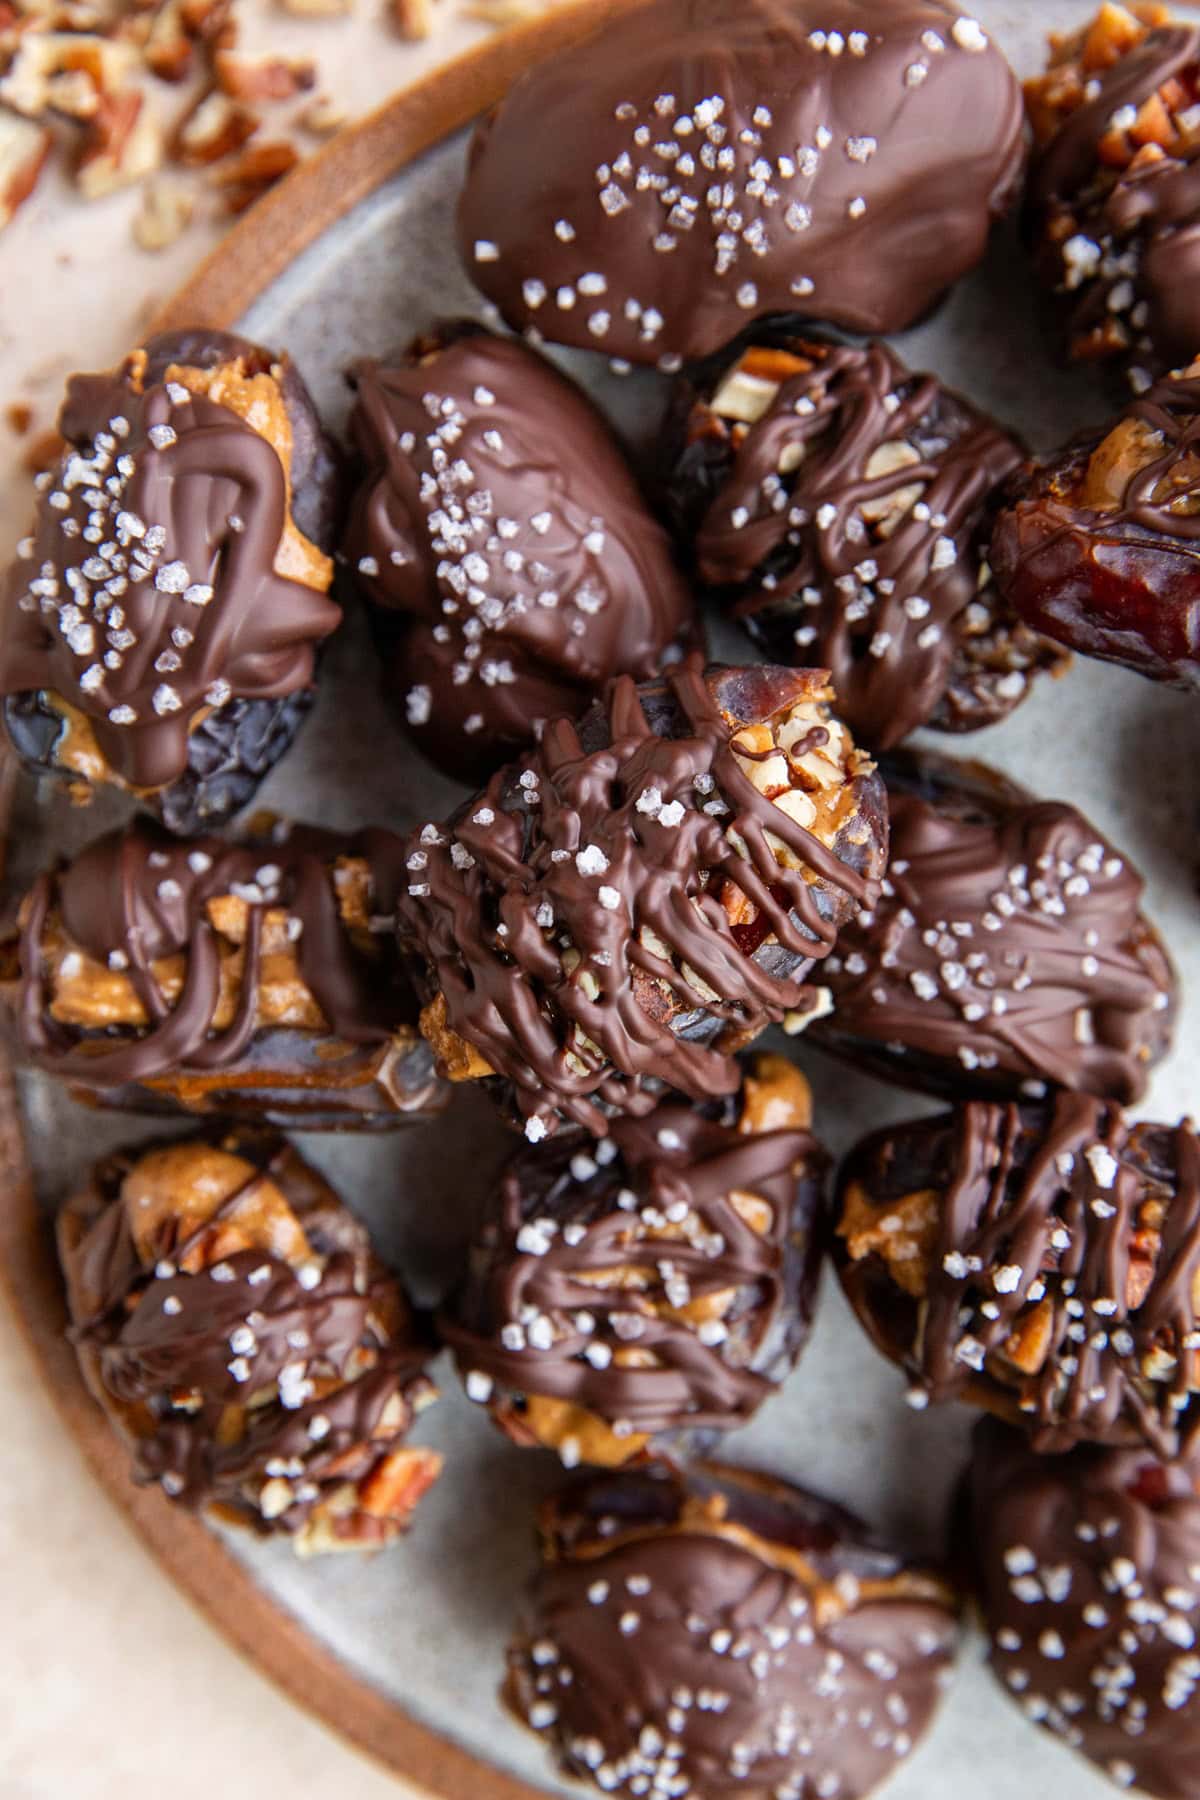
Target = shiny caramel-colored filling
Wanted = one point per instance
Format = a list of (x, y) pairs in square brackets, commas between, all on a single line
[(456, 1059), (1079, 57), (903, 1235), (171, 1195), (775, 1097), (180, 1186), (831, 1601), (258, 401), (91, 996), (1130, 447)]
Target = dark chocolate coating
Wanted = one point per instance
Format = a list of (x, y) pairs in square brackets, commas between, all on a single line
[(722, 1309), (1119, 581), (723, 1634), (713, 161), (132, 548), (1087, 1567), (169, 1341), (893, 605), (497, 520), (1122, 245), (1062, 1233), (316, 467), (138, 895), (230, 753), (529, 909), (1006, 955)]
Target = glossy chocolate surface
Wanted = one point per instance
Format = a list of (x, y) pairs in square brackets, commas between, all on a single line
[(1087, 1567), (590, 928), (840, 505), (499, 523), (136, 899), (720, 1633), (1045, 1263), (254, 1352), (149, 593), (717, 160), (661, 1280), (1007, 954)]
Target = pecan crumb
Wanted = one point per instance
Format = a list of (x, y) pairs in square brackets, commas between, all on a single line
[(248, 176), (164, 215)]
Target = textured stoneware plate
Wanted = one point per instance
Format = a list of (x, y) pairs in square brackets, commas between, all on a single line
[(351, 256)]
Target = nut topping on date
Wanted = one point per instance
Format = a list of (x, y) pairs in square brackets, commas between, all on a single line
[(841, 504), (628, 1293), (645, 893), (1114, 196), (1099, 547), (232, 1320), (1041, 1262)]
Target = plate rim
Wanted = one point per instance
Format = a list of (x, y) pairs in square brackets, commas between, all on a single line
[(286, 222), (329, 184)]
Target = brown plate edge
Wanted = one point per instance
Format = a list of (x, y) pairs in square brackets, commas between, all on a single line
[(218, 1585), (319, 192), (328, 185)]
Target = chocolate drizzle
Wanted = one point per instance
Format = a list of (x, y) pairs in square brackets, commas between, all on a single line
[(1139, 227), (572, 918), (718, 1309), (137, 896), (1100, 551), (1079, 1233), (1086, 1567), (498, 516), (735, 158), (1007, 952), (178, 1340), (718, 1633), (848, 525), (148, 593)]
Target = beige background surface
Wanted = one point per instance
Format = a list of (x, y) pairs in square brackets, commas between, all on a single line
[(110, 1686)]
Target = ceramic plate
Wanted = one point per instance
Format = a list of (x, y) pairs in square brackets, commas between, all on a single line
[(351, 256)]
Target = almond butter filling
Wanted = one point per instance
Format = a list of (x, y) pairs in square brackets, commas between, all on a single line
[(258, 401), (177, 1189), (903, 1235)]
